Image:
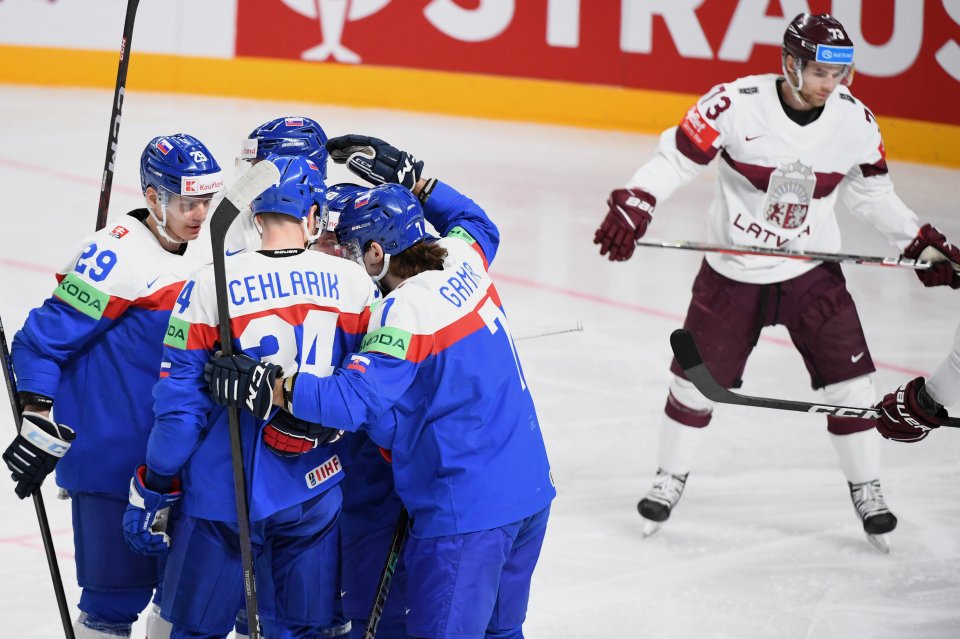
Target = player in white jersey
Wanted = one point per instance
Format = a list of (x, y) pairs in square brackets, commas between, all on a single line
[(109, 314), (301, 310), (789, 145)]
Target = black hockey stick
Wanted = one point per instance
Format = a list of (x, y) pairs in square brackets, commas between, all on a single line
[(113, 135), (386, 577), (842, 258), (688, 356), (249, 186), (37, 497)]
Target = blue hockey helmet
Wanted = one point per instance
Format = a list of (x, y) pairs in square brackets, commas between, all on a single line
[(339, 196), (179, 164), (287, 136), (299, 189), (389, 215)]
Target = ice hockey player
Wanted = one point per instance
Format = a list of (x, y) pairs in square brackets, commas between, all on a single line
[(105, 324), (301, 311), (438, 361), (790, 145), (288, 135)]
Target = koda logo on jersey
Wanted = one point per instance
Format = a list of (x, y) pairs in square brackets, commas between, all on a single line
[(178, 333), (323, 472), (164, 147), (789, 195), (387, 340), (82, 296), (119, 231)]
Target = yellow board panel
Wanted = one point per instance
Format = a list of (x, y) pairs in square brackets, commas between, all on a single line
[(483, 96)]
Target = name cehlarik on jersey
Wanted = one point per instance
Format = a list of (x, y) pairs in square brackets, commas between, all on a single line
[(274, 285)]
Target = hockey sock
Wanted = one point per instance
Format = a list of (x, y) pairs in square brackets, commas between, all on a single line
[(859, 455)]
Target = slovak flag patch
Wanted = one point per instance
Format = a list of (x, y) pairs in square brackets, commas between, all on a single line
[(358, 363), (119, 231), (293, 121), (362, 200), (312, 165), (164, 146)]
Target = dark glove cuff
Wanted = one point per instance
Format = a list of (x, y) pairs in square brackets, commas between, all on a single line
[(427, 190), (34, 399), (159, 483)]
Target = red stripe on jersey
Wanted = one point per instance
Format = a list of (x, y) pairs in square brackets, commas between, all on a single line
[(204, 336), (116, 307), (476, 247), (691, 151), (162, 299), (423, 346), (759, 176)]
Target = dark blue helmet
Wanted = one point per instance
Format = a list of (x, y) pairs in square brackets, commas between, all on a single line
[(288, 136), (389, 215), (179, 164), (300, 187)]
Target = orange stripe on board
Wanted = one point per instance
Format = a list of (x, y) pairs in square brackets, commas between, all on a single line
[(461, 94)]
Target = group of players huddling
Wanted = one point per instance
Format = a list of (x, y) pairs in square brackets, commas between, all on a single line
[(376, 373), (384, 330)]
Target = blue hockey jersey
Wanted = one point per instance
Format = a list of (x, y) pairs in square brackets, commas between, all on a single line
[(303, 310), (94, 347), (468, 453)]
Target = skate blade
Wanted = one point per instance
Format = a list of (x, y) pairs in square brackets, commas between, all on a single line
[(879, 542), (650, 527)]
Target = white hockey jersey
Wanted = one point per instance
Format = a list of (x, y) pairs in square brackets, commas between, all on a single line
[(779, 181)]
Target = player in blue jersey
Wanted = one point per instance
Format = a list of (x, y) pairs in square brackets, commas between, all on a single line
[(107, 318), (299, 310), (438, 382)]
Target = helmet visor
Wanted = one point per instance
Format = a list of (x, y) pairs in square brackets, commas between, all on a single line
[(351, 250)]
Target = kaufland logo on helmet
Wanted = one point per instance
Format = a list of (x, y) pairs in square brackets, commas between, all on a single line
[(248, 149), (164, 147), (201, 185), (834, 55), (293, 121)]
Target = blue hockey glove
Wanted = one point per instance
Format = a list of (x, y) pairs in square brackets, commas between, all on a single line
[(147, 515), (241, 381), (35, 452), (289, 436), (375, 160)]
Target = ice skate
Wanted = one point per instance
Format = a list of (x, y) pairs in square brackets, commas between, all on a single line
[(656, 505), (872, 508)]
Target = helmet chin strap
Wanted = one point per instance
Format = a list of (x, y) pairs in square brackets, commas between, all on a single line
[(798, 70), (378, 278), (162, 221)]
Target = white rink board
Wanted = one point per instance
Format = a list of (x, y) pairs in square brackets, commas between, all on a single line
[(765, 543)]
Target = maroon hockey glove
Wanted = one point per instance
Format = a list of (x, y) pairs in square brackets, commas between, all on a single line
[(909, 413), (626, 222), (931, 245), (289, 436)]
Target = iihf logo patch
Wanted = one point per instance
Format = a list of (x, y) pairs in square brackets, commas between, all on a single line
[(323, 472), (293, 121), (164, 146), (119, 231)]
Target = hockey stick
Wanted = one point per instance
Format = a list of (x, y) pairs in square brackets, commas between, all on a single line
[(113, 135), (250, 185), (842, 258), (386, 577), (533, 332), (37, 497), (688, 356)]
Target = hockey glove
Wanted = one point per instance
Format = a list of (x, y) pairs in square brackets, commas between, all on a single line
[(35, 452), (289, 436), (241, 381), (909, 413), (147, 515), (375, 160), (931, 245), (626, 222)]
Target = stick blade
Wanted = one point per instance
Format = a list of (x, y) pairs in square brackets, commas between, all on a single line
[(255, 181), (685, 349)]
